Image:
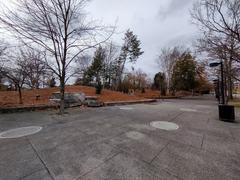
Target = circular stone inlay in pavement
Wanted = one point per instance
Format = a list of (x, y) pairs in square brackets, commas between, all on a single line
[(164, 125), (126, 108), (20, 132), (188, 110), (135, 135)]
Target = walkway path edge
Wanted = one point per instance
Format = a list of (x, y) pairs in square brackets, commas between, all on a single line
[(5, 110)]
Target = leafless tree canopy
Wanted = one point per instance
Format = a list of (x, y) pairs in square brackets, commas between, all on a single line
[(15, 70), (35, 67), (218, 16), (3, 48), (167, 59), (219, 22), (58, 26), (81, 64)]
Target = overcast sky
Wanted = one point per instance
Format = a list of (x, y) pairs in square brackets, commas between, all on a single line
[(158, 24)]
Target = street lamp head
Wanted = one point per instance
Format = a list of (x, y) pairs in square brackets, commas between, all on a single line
[(215, 64)]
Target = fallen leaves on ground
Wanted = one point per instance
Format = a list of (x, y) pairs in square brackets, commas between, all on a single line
[(10, 98)]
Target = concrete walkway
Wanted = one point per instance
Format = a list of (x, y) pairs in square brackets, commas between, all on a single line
[(118, 143)]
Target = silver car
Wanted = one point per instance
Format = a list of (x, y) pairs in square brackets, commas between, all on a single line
[(69, 98)]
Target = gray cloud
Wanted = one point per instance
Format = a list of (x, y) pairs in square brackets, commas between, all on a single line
[(174, 7), (144, 18), (156, 27), (185, 40)]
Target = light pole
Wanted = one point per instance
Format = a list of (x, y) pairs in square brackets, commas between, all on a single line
[(226, 112), (217, 87), (215, 64)]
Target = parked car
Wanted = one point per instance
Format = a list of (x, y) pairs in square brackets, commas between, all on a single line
[(92, 101), (69, 98)]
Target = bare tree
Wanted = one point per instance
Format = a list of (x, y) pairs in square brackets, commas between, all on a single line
[(3, 48), (219, 22), (59, 27), (141, 79), (226, 50), (134, 80), (82, 63), (218, 16), (166, 61), (110, 61), (35, 67), (15, 71)]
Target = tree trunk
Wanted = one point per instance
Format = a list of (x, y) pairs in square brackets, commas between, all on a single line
[(225, 82), (230, 88), (120, 73), (62, 93), (230, 81), (168, 78), (20, 94), (109, 82)]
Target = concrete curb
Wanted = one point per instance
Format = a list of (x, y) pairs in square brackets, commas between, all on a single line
[(167, 97), (26, 108), (6, 110), (129, 102)]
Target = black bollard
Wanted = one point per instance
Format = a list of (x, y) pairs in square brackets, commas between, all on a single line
[(226, 112)]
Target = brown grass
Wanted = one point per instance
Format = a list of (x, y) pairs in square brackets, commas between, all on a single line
[(150, 94), (235, 102), (10, 98)]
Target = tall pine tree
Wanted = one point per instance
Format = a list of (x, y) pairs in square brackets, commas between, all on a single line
[(130, 52)]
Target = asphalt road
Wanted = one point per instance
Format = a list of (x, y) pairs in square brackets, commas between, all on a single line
[(118, 143)]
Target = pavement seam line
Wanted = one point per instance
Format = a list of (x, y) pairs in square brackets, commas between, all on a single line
[(44, 164), (159, 153), (175, 117), (171, 173), (122, 150), (39, 170), (104, 161), (102, 140), (202, 141)]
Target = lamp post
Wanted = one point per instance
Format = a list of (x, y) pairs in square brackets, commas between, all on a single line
[(226, 112), (215, 64), (217, 87)]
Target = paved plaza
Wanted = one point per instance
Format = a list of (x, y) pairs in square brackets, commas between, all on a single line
[(119, 143)]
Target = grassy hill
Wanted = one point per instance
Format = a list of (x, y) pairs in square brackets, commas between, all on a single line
[(10, 98)]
